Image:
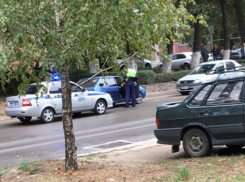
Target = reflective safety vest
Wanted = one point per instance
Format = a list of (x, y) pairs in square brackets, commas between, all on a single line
[(131, 73)]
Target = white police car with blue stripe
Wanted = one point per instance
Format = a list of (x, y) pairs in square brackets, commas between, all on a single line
[(47, 102)]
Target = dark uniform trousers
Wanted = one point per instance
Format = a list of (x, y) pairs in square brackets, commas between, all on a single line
[(130, 93)]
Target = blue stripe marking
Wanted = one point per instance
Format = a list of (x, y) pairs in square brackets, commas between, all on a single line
[(91, 94), (38, 98)]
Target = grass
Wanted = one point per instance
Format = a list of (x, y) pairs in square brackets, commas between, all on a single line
[(31, 168), (229, 167), (240, 177), (2, 99), (2, 172), (103, 156), (183, 173), (91, 156)]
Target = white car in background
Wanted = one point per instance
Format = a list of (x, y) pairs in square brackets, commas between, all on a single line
[(199, 75), (47, 102), (180, 60), (139, 61)]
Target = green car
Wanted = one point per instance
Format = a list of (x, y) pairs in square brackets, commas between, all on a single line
[(212, 115)]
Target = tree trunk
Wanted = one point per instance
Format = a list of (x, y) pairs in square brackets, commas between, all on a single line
[(166, 65), (170, 46), (195, 60), (94, 67), (70, 147), (132, 63), (240, 19), (226, 28)]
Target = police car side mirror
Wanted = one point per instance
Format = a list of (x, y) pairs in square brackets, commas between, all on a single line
[(101, 84), (60, 90)]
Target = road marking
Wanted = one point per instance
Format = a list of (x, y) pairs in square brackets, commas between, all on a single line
[(108, 143), (131, 147)]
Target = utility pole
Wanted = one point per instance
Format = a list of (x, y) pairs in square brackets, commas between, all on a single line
[(211, 31)]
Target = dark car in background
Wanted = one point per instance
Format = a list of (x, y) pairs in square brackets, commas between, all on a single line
[(111, 85), (212, 115)]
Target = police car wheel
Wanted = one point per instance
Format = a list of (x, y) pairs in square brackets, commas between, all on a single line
[(25, 120), (100, 107), (47, 115), (139, 98)]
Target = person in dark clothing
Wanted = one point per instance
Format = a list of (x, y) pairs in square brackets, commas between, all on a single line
[(215, 52), (205, 55), (243, 51), (129, 82)]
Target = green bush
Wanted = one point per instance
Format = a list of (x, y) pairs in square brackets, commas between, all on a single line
[(157, 70), (146, 77), (242, 61), (173, 76)]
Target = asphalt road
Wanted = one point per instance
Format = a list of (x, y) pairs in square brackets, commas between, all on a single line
[(119, 126)]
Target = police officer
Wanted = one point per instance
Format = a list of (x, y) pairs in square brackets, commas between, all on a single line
[(130, 79)]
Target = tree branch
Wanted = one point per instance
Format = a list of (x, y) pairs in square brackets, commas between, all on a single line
[(46, 29), (80, 84), (66, 10), (104, 63), (25, 31)]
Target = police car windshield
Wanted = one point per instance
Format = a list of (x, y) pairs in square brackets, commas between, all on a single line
[(33, 89), (202, 69), (90, 83)]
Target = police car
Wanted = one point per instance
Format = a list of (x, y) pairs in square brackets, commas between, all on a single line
[(47, 102)]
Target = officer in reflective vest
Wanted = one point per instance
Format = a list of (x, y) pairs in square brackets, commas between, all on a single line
[(130, 80)]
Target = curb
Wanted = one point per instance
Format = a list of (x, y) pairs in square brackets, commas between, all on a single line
[(130, 147), (159, 87)]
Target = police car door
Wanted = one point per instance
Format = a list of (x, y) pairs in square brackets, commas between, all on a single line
[(80, 98), (55, 96)]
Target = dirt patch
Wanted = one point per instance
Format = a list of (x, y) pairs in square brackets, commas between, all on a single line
[(199, 169), (2, 108)]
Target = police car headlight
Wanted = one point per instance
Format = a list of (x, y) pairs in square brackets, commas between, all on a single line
[(197, 81)]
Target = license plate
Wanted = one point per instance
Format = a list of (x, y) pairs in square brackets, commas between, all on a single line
[(184, 88), (14, 104)]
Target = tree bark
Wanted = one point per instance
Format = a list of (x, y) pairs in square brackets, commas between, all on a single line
[(70, 146), (195, 60), (166, 65), (226, 28), (94, 67), (170, 46), (240, 19)]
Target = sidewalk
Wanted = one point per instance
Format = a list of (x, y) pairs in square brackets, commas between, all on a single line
[(133, 155)]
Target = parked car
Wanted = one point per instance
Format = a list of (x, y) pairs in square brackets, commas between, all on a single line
[(140, 63), (47, 102), (190, 82), (179, 61), (212, 115), (111, 85), (234, 54)]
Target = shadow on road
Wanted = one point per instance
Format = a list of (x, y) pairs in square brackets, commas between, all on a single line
[(220, 151)]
